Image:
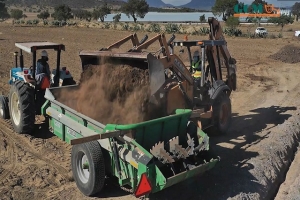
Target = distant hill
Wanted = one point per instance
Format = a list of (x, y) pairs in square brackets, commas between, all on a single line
[(71, 3), (156, 3), (194, 4), (200, 4)]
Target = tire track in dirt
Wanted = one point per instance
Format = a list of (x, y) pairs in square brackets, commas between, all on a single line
[(11, 158), (6, 129)]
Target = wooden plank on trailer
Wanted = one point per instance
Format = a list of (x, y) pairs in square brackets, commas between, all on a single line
[(95, 137)]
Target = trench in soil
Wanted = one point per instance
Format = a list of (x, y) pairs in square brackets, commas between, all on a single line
[(291, 152)]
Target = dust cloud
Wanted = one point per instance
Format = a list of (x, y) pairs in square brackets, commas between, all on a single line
[(115, 94)]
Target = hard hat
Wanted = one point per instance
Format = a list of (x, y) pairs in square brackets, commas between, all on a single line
[(44, 53), (196, 53)]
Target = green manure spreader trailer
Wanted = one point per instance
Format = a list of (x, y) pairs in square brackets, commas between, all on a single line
[(145, 157)]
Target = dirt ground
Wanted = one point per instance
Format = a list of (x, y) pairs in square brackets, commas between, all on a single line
[(255, 154)]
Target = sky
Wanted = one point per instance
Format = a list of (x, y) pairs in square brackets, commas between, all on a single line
[(279, 3)]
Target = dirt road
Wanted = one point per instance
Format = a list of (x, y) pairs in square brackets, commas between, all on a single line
[(255, 154)]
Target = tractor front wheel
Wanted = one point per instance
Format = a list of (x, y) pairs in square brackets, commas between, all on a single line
[(4, 110), (222, 113), (88, 167), (21, 107)]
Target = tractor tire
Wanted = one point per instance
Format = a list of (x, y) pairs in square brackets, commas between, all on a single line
[(4, 110), (90, 180), (22, 107), (222, 113)]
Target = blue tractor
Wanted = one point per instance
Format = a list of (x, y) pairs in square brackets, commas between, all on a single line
[(26, 98)]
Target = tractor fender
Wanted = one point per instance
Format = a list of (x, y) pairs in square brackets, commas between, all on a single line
[(218, 88)]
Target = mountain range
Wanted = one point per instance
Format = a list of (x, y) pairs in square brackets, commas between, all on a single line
[(194, 4)]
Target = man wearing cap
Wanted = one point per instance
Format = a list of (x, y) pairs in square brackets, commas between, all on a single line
[(42, 77), (42, 67)]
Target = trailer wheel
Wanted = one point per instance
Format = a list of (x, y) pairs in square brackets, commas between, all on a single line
[(22, 107), (222, 113), (4, 111), (88, 167)]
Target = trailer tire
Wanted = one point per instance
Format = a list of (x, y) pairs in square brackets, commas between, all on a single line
[(22, 107), (4, 110), (91, 181), (222, 113)]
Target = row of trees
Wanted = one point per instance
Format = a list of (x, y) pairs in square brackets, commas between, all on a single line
[(132, 8), (139, 8)]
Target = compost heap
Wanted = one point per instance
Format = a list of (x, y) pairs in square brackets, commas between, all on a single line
[(287, 54), (117, 94)]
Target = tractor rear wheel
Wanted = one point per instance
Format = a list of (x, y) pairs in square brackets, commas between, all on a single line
[(4, 111), (222, 113), (88, 167), (22, 107)]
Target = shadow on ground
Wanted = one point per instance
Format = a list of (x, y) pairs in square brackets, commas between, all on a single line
[(231, 176), (41, 130)]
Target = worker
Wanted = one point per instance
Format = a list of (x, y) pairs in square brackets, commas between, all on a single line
[(42, 66), (42, 77), (196, 67)]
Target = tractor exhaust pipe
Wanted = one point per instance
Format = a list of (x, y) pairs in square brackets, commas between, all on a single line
[(21, 59), (16, 58)]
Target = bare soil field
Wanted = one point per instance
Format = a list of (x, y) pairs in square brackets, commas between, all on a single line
[(255, 155)]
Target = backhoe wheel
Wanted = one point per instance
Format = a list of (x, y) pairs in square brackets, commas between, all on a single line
[(22, 107), (222, 113), (4, 111), (88, 167)]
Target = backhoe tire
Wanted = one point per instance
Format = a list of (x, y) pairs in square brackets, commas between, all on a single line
[(222, 113), (4, 110), (88, 167), (22, 107)]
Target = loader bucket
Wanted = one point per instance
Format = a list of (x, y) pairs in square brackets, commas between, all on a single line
[(135, 59), (156, 73), (168, 150)]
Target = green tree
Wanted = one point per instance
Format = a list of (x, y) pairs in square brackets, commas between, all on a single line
[(43, 15), (3, 10), (101, 12), (117, 17), (282, 20), (16, 14), (135, 8), (224, 8), (62, 13), (82, 14), (232, 22), (202, 18), (296, 10)]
